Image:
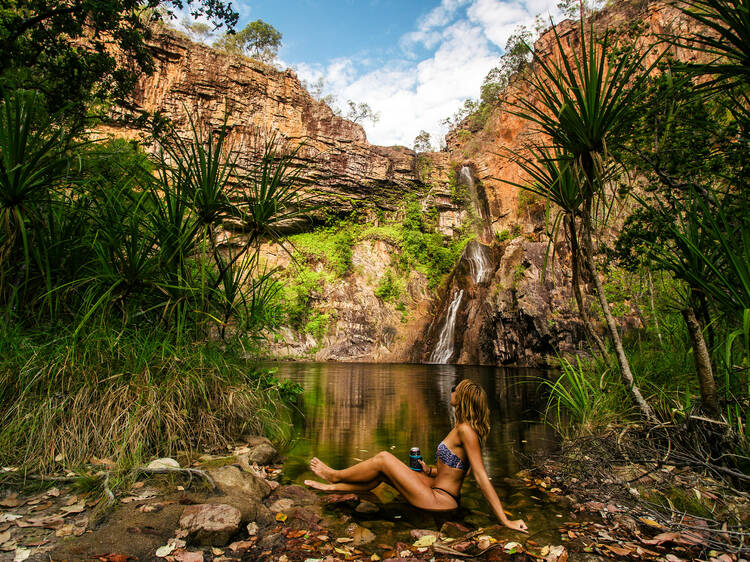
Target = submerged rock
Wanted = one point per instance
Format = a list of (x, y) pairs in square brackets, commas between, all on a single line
[(210, 524), (366, 507)]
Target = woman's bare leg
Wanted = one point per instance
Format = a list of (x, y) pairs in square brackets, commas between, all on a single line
[(343, 486), (384, 465), (365, 471)]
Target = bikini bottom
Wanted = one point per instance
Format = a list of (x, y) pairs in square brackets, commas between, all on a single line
[(457, 498)]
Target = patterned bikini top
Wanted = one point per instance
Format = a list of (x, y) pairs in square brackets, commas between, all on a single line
[(449, 458)]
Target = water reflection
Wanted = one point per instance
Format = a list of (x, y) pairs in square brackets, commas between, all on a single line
[(349, 412)]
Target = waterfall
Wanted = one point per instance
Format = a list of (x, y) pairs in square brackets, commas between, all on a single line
[(444, 349), (478, 264)]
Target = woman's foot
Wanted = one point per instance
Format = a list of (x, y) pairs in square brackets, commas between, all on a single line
[(318, 485), (322, 470)]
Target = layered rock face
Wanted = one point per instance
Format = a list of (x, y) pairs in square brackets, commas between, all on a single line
[(341, 169)]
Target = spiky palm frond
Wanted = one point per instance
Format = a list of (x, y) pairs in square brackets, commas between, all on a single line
[(585, 103), (726, 40)]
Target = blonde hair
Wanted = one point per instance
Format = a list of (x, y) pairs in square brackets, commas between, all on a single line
[(471, 408)]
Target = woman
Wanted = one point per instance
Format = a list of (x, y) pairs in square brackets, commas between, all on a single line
[(434, 489)]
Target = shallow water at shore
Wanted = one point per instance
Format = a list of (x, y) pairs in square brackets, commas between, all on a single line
[(349, 412)]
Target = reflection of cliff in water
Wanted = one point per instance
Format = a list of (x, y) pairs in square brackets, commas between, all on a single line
[(352, 411)]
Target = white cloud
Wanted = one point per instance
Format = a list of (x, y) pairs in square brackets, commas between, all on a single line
[(465, 38)]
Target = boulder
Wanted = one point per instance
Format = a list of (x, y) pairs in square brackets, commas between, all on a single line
[(210, 524), (165, 462), (300, 495), (233, 482), (281, 505), (255, 440), (264, 453)]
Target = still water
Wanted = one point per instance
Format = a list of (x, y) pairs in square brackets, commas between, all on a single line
[(349, 412)]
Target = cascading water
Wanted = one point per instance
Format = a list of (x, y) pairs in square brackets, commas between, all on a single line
[(479, 266), (444, 349)]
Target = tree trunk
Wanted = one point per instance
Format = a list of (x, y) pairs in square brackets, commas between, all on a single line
[(653, 308), (622, 359), (702, 362), (576, 282)]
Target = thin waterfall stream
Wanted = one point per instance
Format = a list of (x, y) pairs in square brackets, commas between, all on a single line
[(444, 348), (479, 265)]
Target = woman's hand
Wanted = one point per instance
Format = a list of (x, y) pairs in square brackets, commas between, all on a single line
[(426, 469), (517, 525)]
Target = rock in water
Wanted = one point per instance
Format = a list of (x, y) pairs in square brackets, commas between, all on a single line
[(282, 505), (263, 453), (211, 524), (165, 462), (366, 507), (361, 535)]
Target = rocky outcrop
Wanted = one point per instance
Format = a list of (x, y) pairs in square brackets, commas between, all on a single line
[(342, 171)]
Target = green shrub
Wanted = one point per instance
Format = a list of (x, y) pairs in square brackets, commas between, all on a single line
[(389, 287), (317, 326)]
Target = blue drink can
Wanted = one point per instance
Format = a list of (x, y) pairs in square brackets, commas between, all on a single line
[(415, 456)]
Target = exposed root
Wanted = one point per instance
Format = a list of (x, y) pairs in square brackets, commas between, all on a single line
[(189, 471)]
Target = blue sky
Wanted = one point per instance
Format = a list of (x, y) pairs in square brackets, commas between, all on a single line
[(412, 61)]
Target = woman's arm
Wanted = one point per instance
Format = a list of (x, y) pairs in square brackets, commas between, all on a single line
[(427, 470), (470, 442)]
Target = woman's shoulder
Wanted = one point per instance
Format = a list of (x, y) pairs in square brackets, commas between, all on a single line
[(465, 431)]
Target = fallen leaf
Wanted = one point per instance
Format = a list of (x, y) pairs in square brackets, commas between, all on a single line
[(216, 551), (281, 517), (374, 557), (42, 506), (75, 508), (113, 557), (650, 522), (65, 531), (138, 485), (296, 534), (164, 551), (11, 501), (21, 554), (252, 528), (427, 540), (618, 550), (344, 539), (4, 537), (9, 517), (53, 492), (241, 545), (185, 556)]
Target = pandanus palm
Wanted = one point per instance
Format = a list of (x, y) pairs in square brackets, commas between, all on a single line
[(585, 105), (554, 176)]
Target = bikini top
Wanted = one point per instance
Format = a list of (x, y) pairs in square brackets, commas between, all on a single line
[(449, 458)]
